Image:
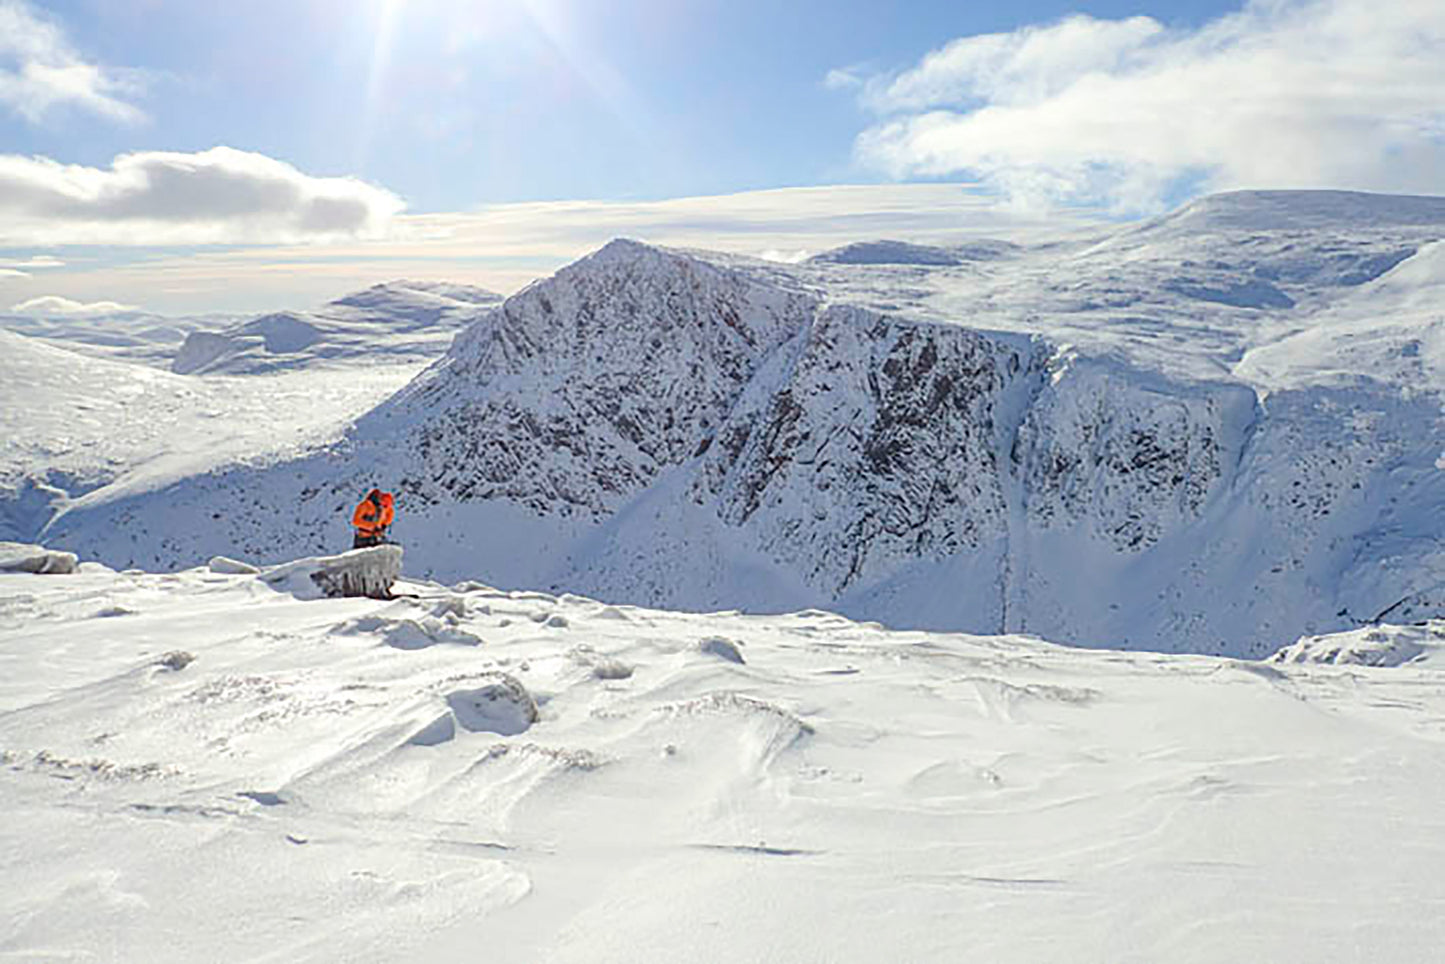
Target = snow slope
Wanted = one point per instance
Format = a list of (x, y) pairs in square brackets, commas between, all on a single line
[(117, 335), (195, 766), (1214, 432), (385, 324), (77, 426)]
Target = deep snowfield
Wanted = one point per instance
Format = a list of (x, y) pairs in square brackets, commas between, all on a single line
[(197, 767)]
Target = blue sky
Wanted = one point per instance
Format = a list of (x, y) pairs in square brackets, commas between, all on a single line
[(452, 104), (186, 156)]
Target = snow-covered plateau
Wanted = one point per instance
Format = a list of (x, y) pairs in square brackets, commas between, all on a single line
[(786, 554), (1213, 432), (203, 766)]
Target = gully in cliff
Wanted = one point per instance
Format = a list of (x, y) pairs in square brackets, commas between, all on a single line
[(371, 518)]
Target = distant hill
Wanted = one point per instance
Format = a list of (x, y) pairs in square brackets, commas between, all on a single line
[(381, 324)]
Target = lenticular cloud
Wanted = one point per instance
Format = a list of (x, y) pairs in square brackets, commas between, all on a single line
[(217, 196), (1324, 93)]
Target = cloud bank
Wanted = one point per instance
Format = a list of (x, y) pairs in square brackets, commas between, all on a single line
[(1283, 94), (504, 246), (40, 71), (49, 306), (219, 196)]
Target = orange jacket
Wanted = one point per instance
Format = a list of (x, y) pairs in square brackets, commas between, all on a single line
[(374, 514)]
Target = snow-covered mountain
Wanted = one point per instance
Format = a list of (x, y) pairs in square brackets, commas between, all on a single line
[(119, 335), (384, 324), (1212, 432)]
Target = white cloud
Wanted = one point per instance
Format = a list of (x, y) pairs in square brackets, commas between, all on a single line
[(843, 78), (33, 262), (1025, 66), (51, 305), (1284, 93), (13, 273), (40, 71), (219, 196), (504, 246)]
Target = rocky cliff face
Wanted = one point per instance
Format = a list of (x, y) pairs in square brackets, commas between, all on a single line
[(576, 393), (877, 439)]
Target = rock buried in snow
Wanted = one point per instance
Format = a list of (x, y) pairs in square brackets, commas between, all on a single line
[(1373, 646), (231, 567), (599, 665), (20, 557), (721, 647), (360, 572), (500, 705), (176, 660), (417, 631)]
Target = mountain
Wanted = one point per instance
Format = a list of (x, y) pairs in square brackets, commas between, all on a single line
[(384, 324), (79, 427), (123, 335), (1194, 434), (904, 253), (557, 779)]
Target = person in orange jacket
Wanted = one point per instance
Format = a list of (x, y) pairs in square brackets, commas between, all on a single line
[(372, 517)]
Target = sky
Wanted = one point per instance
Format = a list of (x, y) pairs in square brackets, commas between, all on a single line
[(185, 157)]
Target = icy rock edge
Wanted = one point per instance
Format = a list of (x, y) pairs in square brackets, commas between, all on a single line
[(20, 557), (360, 572)]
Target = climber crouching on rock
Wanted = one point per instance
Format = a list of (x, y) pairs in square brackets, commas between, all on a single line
[(371, 518)]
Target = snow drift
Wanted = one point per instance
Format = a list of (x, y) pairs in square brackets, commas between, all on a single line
[(227, 773)]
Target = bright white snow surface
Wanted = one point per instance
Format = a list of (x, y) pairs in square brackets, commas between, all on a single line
[(77, 426), (197, 767)]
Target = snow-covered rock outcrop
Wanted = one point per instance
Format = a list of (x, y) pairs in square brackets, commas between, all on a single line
[(1383, 645), (18, 557), (360, 572)]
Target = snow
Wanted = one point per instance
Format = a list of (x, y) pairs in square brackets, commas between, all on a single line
[(78, 426), (385, 324), (230, 773), (231, 567), (1211, 436), (1214, 432), (131, 336), (1377, 645), (904, 253)]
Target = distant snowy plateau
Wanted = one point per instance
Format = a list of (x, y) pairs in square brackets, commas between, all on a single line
[(732, 600)]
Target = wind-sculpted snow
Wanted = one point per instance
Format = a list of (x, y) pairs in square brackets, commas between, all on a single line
[(231, 773), (1381, 645), (1214, 432)]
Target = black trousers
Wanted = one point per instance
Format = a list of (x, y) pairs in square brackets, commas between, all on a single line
[(366, 542)]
